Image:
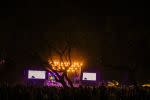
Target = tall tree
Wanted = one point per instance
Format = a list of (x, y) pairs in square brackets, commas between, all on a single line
[(64, 59)]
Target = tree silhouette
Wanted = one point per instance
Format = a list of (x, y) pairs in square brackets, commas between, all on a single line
[(62, 51), (64, 63)]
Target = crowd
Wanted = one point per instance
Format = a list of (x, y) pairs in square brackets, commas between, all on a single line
[(21, 92)]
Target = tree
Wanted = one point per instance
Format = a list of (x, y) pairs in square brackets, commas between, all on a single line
[(61, 62)]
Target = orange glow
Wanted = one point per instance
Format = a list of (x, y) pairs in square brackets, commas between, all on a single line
[(68, 70), (146, 85), (75, 66), (72, 70)]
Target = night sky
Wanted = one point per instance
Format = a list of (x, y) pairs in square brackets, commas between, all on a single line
[(110, 39)]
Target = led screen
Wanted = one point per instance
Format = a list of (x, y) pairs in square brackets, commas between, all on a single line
[(89, 76), (33, 74), (51, 77)]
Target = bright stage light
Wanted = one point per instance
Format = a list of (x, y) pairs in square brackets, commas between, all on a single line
[(59, 66)]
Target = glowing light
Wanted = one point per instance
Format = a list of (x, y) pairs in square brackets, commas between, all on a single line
[(56, 65), (68, 70), (61, 64), (72, 70), (146, 85), (110, 84), (50, 62)]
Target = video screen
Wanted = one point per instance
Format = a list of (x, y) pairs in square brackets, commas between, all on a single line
[(33, 74), (89, 76), (51, 77)]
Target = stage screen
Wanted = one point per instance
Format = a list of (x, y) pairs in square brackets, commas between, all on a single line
[(89, 76), (34, 74)]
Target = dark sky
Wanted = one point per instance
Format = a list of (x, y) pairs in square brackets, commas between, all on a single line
[(117, 35)]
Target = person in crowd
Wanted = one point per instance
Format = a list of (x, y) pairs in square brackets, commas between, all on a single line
[(22, 92)]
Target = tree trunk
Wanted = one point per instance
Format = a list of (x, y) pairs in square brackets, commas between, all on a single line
[(62, 81), (69, 81)]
